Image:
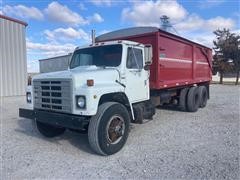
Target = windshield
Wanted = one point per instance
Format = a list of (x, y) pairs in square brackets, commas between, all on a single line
[(109, 55)]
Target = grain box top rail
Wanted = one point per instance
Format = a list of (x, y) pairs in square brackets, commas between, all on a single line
[(138, 31)]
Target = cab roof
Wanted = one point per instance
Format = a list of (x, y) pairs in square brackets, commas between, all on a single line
[(126, 42)]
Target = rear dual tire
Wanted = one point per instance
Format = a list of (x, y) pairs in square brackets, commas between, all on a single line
[(190, 99), (203, 96), (183, 99), (193, 99)]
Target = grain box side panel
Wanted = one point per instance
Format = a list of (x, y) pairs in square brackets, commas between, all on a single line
[(175, 62), (203, 64)]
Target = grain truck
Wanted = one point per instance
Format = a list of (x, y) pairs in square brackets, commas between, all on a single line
[(119, 79)]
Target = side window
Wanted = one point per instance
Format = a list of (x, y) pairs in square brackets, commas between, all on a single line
[(134, 58)]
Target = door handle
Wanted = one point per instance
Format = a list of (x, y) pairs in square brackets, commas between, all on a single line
[(162, 65)]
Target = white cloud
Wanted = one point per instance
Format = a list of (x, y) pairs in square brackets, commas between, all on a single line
[(66, 34), (205, 4), (194, 22), (50, 49), (61, 13), (102, 2), (204, 38), (1, 7), (36, 51), (147, 13), (23, 12), (33, 66), (220, 22), (95, 18)]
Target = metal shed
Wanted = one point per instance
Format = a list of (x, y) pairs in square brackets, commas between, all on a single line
[(13, 62), (53, 64)]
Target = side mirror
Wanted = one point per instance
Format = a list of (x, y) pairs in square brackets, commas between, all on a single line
[(148, 54)]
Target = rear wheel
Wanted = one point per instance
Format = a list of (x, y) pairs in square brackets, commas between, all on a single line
[(49, 130), (108, 130), (183, 99), (203, 96), (193, 99)]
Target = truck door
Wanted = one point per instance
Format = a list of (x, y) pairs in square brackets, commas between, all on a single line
[(137, 79)]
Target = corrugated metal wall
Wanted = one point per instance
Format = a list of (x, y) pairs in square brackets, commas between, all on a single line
[(59, 63), (13, 62)]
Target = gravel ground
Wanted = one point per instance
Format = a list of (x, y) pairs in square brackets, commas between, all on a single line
[(175, 145)]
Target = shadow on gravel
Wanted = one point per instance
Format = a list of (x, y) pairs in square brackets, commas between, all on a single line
[(169, 108), (79, 140)]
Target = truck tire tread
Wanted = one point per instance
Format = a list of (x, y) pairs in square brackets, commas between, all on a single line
[(183, 99), (96, 130), (93, 127), (193, 99), (203, 96)]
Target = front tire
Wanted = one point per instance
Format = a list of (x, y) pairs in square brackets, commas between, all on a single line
[(48, 130), (108, 130)]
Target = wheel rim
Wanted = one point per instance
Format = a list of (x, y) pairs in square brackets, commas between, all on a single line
[(115, 129)]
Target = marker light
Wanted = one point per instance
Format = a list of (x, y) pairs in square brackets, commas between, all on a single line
[(90, 82)]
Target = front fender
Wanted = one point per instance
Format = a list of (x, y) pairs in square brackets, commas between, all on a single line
[(93, 95)]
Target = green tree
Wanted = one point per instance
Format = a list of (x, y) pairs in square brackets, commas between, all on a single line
[(227, 52)]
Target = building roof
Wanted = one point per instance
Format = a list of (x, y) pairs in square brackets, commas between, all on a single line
[(55, 57), (13, 19)]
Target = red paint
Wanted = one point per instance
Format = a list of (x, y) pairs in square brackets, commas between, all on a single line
[(183, 62)]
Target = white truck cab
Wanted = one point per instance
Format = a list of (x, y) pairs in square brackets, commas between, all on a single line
[(105, 84)]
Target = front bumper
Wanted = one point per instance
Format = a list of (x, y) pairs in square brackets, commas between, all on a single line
[(58, 119)]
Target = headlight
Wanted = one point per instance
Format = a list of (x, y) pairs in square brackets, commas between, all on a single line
[(81, 101), (29, 97)]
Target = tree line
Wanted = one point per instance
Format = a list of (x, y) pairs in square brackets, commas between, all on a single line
[(227, 53)]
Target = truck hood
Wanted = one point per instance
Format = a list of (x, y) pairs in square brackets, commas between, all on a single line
[(80, 74)]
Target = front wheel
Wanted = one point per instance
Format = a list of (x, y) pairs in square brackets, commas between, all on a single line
[(108, 130)]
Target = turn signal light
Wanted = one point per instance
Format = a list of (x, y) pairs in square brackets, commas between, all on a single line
[(90, 82)]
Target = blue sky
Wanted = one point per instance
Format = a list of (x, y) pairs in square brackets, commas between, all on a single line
[(57, 27)]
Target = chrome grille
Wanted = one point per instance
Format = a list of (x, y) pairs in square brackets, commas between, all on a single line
[(54, 95)]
